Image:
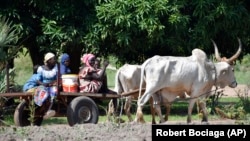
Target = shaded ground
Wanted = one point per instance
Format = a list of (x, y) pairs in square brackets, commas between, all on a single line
[(96, 132)]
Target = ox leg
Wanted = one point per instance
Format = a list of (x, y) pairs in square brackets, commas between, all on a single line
[(190, 109), (157, 106), (110, 110), (168, 108), (139, 115), (141, 102), (127, 107), (203, 110), (152, 110)]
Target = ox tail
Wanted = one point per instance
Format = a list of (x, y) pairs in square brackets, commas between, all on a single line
[(141, 81)]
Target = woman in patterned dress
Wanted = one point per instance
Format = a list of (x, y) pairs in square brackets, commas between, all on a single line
[(91, 78)]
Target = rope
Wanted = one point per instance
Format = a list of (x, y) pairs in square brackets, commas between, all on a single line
[(186, 99), (119, 121)]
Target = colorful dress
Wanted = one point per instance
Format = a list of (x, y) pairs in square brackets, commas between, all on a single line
[(91, 86), (46, 76)]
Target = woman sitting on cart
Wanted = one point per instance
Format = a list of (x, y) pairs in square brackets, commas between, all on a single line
[(64, 64), (91, 78), (47, 73)]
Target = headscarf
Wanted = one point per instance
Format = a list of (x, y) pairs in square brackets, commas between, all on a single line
[(86, 57), (64, 57), (64, 69), (48, 56)]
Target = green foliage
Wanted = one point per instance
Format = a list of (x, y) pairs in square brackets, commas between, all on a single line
[(111, 77), (3, 81), (243, 65), (234, 112), (23, 69), (32, 109), (130, 30), (146, 28), (9, 36), (242, 70), (8, 32), (244, 101), (237, 110), (213, 101)]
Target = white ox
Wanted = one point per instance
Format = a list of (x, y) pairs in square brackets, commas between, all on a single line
[(128, 79), (195, 75)]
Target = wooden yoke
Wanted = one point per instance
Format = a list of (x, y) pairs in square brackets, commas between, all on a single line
[(133, 92)]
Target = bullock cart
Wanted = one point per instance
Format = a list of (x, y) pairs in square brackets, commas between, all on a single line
[(79, 108)]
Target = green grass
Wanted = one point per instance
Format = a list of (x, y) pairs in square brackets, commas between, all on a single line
[(178, 113), (111, 78), (243, 77), (229, 100), (23, 69)]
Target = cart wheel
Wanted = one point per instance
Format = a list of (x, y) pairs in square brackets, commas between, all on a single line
[(82, 110), (22, 115)]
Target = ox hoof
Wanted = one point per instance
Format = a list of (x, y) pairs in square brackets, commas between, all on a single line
[(205, 123), (139, 121), (190, 123), (162, 122)]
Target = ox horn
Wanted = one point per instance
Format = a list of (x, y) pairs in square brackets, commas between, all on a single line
[(216, 52), (237, 54)]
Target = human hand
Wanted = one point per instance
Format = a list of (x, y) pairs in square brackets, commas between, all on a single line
[(45, 84), (105, 63)]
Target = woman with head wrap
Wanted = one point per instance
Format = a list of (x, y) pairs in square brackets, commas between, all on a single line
[(91, 78), (47, 74), (64, 64)]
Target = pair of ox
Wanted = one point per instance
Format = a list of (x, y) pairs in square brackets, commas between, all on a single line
[(196, 80), (167, 77)]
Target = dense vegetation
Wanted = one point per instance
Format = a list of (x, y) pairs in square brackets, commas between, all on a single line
[(129, 30)]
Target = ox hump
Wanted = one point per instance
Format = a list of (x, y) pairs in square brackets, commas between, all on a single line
[(199, 55)]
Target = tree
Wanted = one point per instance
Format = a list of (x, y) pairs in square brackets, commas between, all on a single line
[(8, 39), (130, 30), (56, 26), (8, 50), (136, 30)]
